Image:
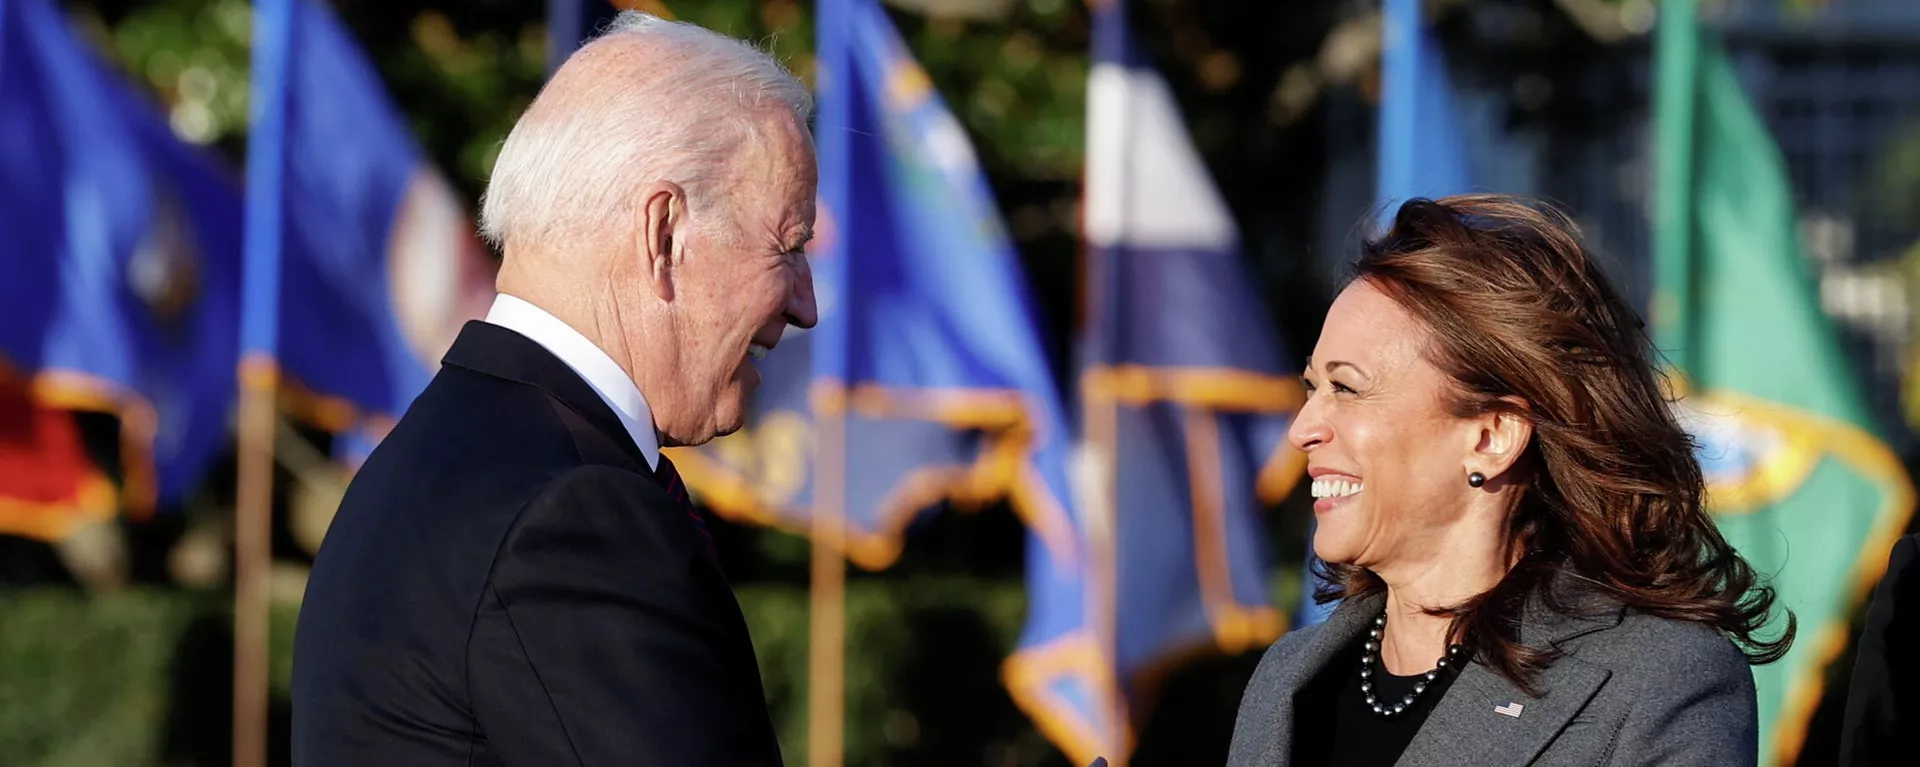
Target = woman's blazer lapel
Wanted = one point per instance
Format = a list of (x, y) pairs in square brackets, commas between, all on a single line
[(1486, 720), (1264, 734)]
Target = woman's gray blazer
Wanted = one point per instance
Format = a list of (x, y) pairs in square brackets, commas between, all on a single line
[(1631, 689)]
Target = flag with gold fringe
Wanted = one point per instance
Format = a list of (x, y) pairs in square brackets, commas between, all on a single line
[(119, 278), (1798, 479), (1184, 401)]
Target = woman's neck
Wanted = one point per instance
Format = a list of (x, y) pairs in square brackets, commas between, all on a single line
[(1447, 567), (1415, 640)]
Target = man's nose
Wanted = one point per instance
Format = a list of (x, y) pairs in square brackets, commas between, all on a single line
[(801, 311)]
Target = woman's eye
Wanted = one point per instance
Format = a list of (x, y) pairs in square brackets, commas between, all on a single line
[(1333, 386)]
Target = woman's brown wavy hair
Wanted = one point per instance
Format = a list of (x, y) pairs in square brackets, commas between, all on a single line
[(1613, 494)]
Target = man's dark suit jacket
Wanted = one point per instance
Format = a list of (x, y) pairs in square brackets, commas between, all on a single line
[(1882, 724), (507, 583)]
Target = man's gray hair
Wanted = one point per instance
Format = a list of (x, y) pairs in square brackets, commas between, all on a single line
[(571, 171)]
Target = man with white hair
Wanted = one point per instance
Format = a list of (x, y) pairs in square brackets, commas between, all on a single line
[(515, 576)]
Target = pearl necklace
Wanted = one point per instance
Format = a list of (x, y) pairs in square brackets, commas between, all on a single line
[(1366, 672)]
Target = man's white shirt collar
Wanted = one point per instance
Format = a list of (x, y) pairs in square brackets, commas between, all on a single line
[(606, 377)]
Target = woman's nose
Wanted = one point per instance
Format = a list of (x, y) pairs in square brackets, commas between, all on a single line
[(1309, 429)]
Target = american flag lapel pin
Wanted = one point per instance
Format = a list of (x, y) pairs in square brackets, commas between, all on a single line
[(1510, 709)]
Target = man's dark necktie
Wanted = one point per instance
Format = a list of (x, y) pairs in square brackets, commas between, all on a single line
[(669, 478)]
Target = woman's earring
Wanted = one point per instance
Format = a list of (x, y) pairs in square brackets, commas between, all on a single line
[(1476, 479)]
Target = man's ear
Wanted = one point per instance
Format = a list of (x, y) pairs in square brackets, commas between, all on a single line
[(1503, 437), (660, 230)]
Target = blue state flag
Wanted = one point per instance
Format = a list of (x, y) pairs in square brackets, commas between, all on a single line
[(927, 323), (120, 262), (1184, 397), (925, 381), (1422, 146), (1421, 151), (362, 262)]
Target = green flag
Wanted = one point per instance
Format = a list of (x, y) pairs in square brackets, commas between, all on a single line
[(1796, 478)]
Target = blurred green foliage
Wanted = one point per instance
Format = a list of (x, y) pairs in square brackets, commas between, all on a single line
[(910, 699), (142, 677), (192, 54), (79, 679), (132, 678)]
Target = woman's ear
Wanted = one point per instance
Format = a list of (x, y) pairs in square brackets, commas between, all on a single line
[(1503, 437)]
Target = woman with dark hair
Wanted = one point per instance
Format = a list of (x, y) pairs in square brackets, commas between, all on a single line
[(1512, 520)]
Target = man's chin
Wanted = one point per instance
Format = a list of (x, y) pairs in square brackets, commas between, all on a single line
[(730, 416)]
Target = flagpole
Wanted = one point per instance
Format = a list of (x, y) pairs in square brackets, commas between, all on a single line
[(834, 86), (1100, 405), (253, 560), (826, 658), (273, 37), (1676, 68), (1103, 431)]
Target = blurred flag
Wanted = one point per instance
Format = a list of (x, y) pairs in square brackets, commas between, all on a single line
[(1797, 479), (362, 262), (1422, 145), (1422, 152), (49, 487), (927, 353), (928, 332), (1184, 406), (926, 379), (119, 266)]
